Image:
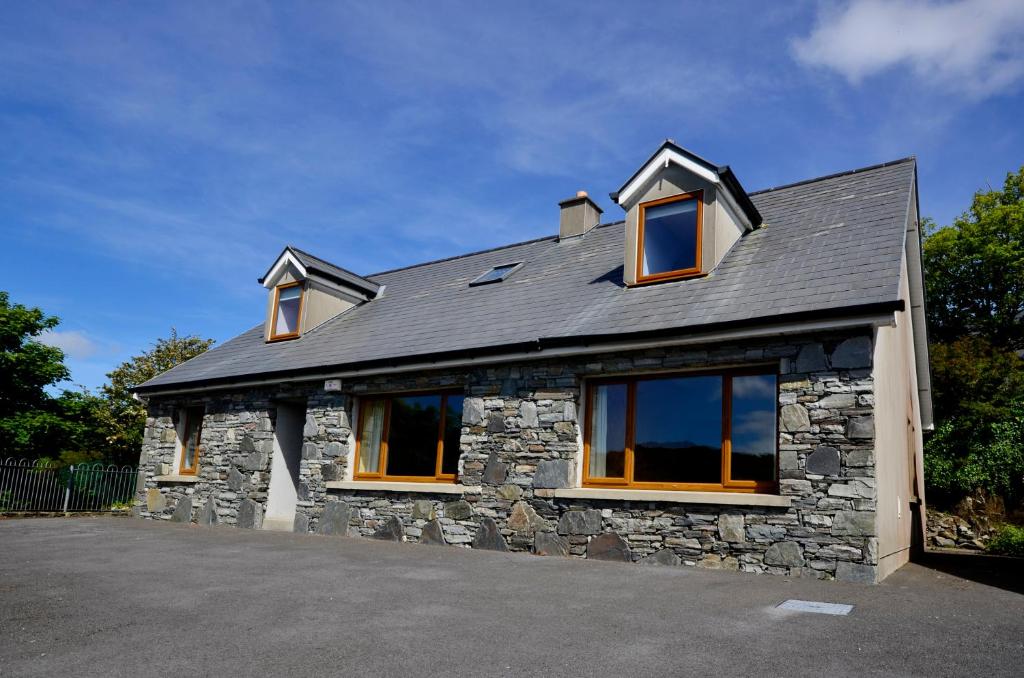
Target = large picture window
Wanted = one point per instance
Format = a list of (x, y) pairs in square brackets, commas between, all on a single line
[(191, 435), (683, 432), (669, 237), (409, 437)]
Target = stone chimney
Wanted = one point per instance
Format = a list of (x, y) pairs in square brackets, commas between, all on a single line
[(578, 215)]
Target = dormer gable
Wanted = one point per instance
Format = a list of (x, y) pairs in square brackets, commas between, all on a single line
[(305, 291), (683, 213)]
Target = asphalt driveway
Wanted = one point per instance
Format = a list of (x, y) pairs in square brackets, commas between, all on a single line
[(121, 597)]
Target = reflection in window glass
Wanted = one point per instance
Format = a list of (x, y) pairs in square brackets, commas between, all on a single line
[(190, 445), (678, 430), (452, 435), (495, 274), (289, 301), (753, 428), (371, 433), (670, 237), (608, 431), (412, 435)]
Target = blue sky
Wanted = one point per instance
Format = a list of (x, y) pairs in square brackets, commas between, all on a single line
[(157, 157)]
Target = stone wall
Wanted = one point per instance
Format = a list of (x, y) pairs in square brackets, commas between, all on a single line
[(521, 441), (234, 465)]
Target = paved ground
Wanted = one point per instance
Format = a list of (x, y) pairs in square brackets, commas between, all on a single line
[(120, 597)]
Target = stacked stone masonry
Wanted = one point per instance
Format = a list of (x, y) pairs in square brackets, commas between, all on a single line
[(522, 439)]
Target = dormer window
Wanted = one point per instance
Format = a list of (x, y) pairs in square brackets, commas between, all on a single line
[(287, 311), (304, 291), (683, 215), (669, 237)]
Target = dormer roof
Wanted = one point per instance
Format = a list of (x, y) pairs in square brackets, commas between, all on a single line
[(310, 266), (720, 175)]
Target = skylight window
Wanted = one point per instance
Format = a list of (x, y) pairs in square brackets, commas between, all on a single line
[(497, 274)]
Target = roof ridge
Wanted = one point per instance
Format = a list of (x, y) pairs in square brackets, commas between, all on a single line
[(461, 256), (320, 259), (490, 249), (890, 163)]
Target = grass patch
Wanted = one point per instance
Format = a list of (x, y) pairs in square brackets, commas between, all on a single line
[(1007, 541)]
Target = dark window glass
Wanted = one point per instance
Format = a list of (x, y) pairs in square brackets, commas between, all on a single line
[(678, 430), (753, 428), (495, 274), (670, 237), (412, 435), (607, 457), (452, 434)]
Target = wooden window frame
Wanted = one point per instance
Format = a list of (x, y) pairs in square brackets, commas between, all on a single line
[(641, 218), (727, 484), (382, 474), (274, 336), (191, 415)]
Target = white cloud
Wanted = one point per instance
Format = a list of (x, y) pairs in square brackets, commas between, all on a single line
[(975, 47), (753, 387), (75, 344)]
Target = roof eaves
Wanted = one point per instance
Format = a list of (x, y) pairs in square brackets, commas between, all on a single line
[(536, 345), (746, 204)]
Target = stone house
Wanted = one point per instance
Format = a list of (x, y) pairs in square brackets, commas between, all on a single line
[(721, 379)]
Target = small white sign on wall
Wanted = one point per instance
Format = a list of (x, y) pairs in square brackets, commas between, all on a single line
[(332, 385)]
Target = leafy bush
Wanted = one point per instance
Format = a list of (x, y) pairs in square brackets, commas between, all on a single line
[(960, 458), (1008, 541)]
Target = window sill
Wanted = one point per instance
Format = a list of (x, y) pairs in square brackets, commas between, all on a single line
[(676, 496), (389, 486), (176, 479)]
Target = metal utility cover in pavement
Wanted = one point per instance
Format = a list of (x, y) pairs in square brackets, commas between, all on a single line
[(814, 606)]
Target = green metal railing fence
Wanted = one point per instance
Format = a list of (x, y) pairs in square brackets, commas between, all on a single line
[(40, 486)]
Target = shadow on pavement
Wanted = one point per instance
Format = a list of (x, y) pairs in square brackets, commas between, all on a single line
[(999, 571)]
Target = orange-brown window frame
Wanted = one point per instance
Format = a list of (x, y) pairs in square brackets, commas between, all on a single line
[(193, 415), (641, 218), (382, 475), (727, 484), (274, 336)]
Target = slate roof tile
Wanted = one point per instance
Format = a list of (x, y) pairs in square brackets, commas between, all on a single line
[(830, 243)]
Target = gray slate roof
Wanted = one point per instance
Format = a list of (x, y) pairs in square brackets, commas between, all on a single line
[(829, 246)]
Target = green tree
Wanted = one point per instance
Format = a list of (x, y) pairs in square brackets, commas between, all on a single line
[(975, 381), (27, 366), (975, 270), (974, 287), (30, 420), (126, 416)]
